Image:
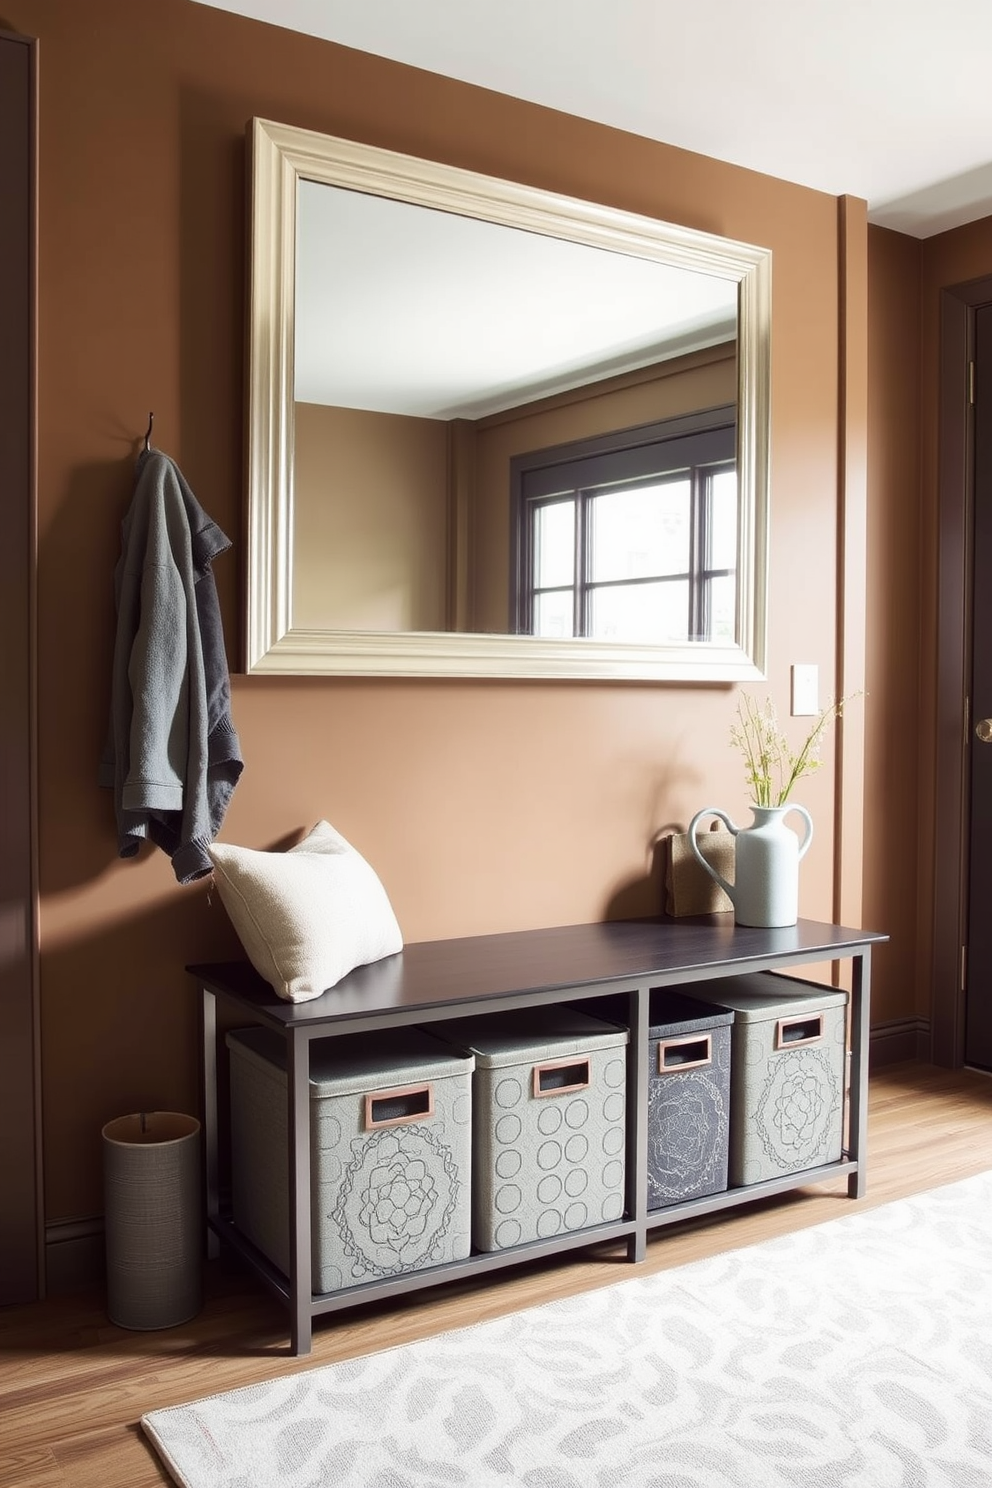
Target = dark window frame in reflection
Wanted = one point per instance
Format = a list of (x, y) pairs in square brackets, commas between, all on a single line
[(693, 448)]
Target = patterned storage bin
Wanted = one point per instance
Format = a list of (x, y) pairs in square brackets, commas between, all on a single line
[(787, 1074), (390, 1152), (548, 1123), (688, 1098)]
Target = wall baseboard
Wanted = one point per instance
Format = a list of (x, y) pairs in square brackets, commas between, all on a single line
[(896, 1042)]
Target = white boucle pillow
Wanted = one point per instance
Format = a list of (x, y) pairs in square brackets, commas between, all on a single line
[(308, 916)]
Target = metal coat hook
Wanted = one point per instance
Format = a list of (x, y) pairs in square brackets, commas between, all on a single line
[(148, 431)]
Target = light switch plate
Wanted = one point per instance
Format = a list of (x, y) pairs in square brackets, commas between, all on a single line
[(805, 689)]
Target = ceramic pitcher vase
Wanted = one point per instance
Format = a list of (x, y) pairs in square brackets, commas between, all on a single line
[(765, 890)]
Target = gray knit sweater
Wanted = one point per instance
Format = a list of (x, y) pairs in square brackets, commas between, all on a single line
[(172, 757)]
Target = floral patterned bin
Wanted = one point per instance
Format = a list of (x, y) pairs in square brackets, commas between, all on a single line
[(787, 1061), (688, 1098), (391, 1145)]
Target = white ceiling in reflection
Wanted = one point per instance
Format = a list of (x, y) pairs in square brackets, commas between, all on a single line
[(403, 309)]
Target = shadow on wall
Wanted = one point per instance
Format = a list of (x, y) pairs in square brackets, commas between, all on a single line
[(121, 1031), (121, 1024), (643, 895), (212, 219), (77, 623), (78, 550)]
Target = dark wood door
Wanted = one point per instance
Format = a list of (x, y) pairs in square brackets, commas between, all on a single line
[(19, 1208), (978, 981)]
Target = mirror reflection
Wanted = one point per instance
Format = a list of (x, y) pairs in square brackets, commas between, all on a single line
[(493, 431), (434, 355)]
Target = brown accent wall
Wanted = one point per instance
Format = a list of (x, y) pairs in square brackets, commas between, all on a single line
[(483, 806), (894, 778)]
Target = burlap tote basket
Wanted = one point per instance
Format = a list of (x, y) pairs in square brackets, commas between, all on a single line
[(689, 889)]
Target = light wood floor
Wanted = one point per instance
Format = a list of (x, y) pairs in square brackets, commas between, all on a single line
[(73, 1386)]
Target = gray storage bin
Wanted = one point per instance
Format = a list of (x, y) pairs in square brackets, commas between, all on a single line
[(688, 1098), (787, 1073), (548, 1123), (390, 1152)]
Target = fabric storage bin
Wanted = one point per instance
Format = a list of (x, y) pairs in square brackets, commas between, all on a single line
[(548, 1122), (787, 1074), (688, 1098), (390, 1152)]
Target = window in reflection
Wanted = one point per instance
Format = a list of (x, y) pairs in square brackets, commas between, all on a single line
[(629, 544), (553, 589), (720, 578)]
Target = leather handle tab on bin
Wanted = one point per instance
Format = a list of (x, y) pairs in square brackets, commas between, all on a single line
[(561, 1076), (693, 1051), (398, 1107), (792, 1031)]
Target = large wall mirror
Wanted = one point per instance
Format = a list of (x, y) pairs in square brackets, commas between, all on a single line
[(494, 431)]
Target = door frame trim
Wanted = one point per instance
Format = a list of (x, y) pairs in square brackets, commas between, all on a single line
[(21, 1250), (955, 495)]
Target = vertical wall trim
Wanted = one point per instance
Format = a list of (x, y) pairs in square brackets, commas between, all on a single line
[(21, 1237), (852, 551)]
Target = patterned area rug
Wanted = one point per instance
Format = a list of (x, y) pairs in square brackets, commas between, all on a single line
[(855, 1354)]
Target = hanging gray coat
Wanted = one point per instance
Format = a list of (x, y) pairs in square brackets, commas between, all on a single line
[(172, 757)]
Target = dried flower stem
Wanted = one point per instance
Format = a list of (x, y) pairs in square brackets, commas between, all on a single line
[(771, 768)]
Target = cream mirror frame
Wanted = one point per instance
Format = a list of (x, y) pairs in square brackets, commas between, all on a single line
[(282, 156)]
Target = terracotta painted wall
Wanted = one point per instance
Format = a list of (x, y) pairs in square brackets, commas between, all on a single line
[(484, 807)]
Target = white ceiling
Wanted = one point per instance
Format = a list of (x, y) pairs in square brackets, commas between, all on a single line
[(890, 100), (497, 317)]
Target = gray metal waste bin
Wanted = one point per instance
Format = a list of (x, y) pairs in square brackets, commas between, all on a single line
[(153, 1219)]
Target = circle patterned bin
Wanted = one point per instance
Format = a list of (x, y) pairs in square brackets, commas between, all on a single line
[(548, 1123)]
